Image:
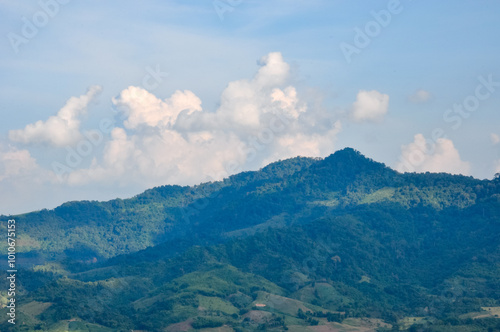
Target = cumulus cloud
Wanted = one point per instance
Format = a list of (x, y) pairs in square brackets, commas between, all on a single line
[(165, 158), (420, 96), (143, 108), (426, 156), (18, 165), (24, 180), (303, 144), (494, 138), (174, 140), (274, 70), (61, 129), (369, 106), (258, 121), (15, 162), (245, 103)]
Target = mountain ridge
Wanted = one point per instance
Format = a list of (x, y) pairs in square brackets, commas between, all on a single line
[(345, 178), (343, 234)]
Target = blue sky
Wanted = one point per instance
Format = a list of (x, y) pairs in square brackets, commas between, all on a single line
[(228, 71)]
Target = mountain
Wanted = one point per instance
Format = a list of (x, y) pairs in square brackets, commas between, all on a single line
[(340, 243)]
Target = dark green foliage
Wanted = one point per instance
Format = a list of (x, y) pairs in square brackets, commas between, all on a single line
[(203, 322), (345, 235)]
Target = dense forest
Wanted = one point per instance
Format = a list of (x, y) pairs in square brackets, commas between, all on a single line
[(336, 244)]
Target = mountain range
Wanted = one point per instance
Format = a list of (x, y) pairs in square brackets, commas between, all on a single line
[(341, 243)]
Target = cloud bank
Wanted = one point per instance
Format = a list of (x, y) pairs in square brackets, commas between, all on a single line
[(439, 156), (175, 140)]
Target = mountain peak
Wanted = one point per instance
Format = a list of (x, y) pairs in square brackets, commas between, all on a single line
[(347, 153), (349, 157), (347, 166)]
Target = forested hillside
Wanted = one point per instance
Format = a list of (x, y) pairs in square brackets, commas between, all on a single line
[(342, 242)]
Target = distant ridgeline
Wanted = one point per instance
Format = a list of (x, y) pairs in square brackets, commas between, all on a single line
[(344, 242)]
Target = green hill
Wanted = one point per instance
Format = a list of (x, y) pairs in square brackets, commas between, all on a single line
[(343, 242)]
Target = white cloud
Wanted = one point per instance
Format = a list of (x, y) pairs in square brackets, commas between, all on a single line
[(173, 140), (497, 166), (61, 129), (308, 145), (494, 138), (18, 166), (420, 96), (370, 106), (244, 104), (168, 157), (14, 163), (422, 156), (143, 108), (258, 121), (274, 70), (24, 181)]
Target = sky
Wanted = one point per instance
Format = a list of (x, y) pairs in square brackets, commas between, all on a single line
[(104, 99)]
